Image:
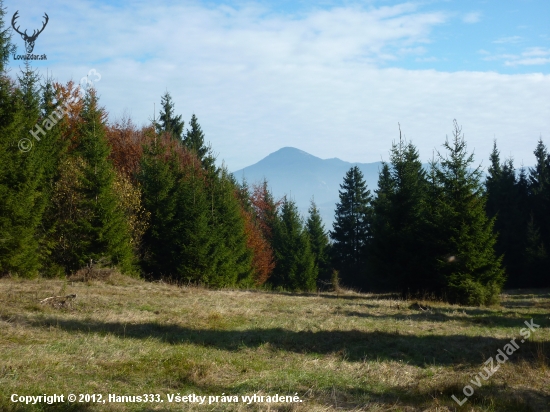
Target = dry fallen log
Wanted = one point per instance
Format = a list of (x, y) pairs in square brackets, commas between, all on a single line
[(418, 306), (59, 301)]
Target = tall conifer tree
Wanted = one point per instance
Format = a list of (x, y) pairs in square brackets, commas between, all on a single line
[(6, 46), (158, 178), (232, 257), (319, 241), (468, 267), (22, 200), (193, 243), (504, 204), (294, 262), (400, 249), (539, 224), (169, 122), (194, 141), (351, 229), (381, 231), (101, 226)]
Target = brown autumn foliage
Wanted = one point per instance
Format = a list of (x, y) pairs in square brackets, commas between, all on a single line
[(66, 197), (262, 261), (265, 208), (187, 161), (259, 225), (70, 94), (126, 143), (129, 197)]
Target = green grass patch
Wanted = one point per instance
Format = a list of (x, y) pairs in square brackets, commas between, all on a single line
[(337, 352)]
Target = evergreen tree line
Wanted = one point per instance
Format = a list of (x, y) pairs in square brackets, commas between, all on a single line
[(151, 202), (445, 231)]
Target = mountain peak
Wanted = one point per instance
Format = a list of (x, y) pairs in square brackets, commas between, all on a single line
[(288, 157), (291, 151)]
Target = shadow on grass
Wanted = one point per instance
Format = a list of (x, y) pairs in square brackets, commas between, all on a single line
[(496, 321), (333, 295), (488, 397), (352, 345), (538, 293), (365, 296), (8, 406), (525, 303), (352, 295)]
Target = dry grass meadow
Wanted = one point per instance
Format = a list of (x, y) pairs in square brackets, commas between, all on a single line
[(352, 352)]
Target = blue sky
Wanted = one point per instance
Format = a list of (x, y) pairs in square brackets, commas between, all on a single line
[(333, 78)]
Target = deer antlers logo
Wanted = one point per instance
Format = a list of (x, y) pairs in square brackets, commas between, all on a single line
[(29, 40)]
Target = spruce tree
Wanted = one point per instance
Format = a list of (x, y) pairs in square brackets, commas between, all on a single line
[(232, 257), (538, 234), (52, 151), (101, 227), (468, 265), (168, 121), (492, 182), (158, 179), (400, 248), (196, 231), (505, 205), (194, 141), (319, 242), (6, 46), (10, 116), (351, 229), (535, 259), (511, 223), (22, 200), (380, 246), (294, 262), (193, 245), (539, 199)]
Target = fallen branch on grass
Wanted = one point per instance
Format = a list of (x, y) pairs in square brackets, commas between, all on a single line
[(58, 301), (418, 306)]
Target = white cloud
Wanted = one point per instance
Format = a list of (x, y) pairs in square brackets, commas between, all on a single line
[(259, 81), (412, 50), (536, 51), (493, 57), (508, 40), (528, 62), (224, 33), (532, 56), (427, 59), (471, 18)]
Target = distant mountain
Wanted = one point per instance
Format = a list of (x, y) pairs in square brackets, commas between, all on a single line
[(301, 176)]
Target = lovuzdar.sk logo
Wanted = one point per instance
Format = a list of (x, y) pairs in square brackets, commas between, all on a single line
[(29, 40)]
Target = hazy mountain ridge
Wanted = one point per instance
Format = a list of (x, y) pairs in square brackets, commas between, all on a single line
[(302, 176)]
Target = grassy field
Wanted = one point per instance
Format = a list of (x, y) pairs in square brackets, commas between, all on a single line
[(358, 352)]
